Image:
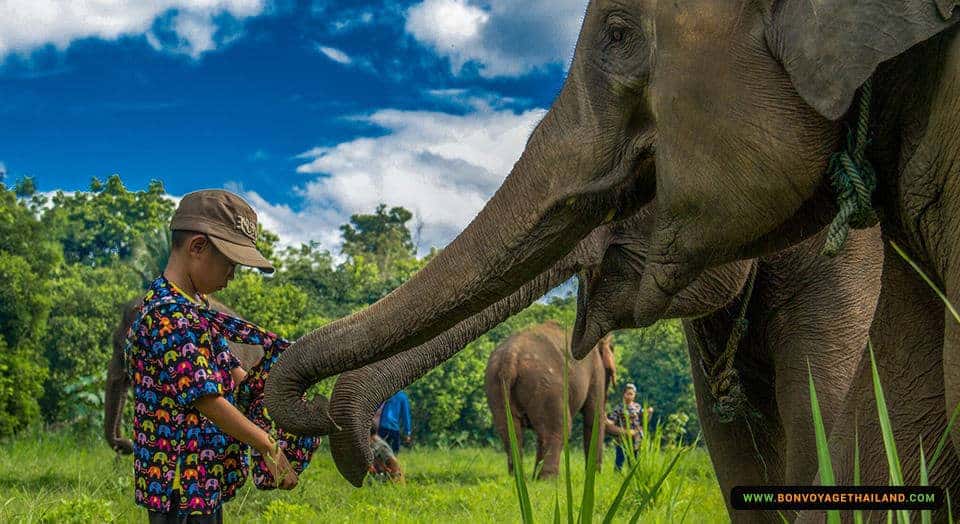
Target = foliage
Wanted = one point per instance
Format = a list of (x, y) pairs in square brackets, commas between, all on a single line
[(103, 225), (283, 512), (26, 263), (282, 308), (78, 341), (80, 510), (381, 237)]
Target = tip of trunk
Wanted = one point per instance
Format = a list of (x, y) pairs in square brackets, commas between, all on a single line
[(355, 398), (351, 454)]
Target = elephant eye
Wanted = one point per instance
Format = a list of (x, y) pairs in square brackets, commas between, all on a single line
[(616, 35)]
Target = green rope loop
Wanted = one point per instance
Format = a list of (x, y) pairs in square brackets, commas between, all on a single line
[(722, 377), (853, 180)]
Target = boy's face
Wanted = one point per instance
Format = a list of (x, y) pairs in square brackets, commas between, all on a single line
[(210, 270), (629, 394)]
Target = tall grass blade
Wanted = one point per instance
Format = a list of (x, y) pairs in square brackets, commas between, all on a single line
[(941, 444), (656, 487), (526, 512), (568, 477), (925, 516), (823, 451), (857, 514), (949, 509), (889, 445), (556, 507), (927, 279), (624, 486), (589, 492)]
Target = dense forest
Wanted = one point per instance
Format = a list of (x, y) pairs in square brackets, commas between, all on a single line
[(68, 262)]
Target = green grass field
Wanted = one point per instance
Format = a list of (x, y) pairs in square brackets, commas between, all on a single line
[(65, 478)]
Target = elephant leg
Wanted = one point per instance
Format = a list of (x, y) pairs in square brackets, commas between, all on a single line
[(591, 408), (505, 438), (549, 448), (908, 346), (497, 409)]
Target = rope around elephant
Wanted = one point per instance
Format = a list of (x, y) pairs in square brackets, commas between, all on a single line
[(854, 180)]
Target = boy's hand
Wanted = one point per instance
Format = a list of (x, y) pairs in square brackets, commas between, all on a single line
[(281, 469)]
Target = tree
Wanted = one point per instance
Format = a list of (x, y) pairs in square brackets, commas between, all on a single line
[(27, 262), (382, 238), (103, 225)]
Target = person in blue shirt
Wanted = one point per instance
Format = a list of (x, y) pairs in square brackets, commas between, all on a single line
[(395, 420)]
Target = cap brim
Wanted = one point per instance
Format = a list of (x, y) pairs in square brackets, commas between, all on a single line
[(243, 255)]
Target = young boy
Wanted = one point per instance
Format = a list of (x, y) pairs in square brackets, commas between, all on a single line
[(190, 440)]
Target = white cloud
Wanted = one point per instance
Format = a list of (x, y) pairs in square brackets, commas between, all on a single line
[(3, 171), (507, 38), (442, 167), (335, 54), (26, 25)]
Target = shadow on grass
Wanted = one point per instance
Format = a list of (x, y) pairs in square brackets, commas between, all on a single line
[(450, 477), (47, 481)]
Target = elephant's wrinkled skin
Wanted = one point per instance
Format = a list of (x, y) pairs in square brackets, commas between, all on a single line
[(118, 382), (530, 365)]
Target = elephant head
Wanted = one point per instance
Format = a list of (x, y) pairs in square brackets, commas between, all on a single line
[(118, 382), (749, 100)]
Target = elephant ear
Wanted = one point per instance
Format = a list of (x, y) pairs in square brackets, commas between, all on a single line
[(831, 47)]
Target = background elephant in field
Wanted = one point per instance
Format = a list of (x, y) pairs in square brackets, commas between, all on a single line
[(118, 382), (530, 365)]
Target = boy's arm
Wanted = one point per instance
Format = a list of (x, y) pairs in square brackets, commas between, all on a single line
[(229, 419)]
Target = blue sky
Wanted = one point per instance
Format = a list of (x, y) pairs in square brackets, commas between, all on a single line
[(312, 110)]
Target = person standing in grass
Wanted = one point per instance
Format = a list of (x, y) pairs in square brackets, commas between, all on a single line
[(385, 465), (395, 421), (190, 439), (624, 423)]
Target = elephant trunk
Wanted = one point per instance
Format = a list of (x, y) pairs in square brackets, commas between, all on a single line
[(536, 217), (357, 393)]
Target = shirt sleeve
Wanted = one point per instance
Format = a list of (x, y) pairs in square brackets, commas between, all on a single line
[(193, 373)]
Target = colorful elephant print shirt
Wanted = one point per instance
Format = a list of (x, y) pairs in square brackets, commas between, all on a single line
[(177, 352)]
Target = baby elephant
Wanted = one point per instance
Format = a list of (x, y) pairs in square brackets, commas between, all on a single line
[(530, 363)]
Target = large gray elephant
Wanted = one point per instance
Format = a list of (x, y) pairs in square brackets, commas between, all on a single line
[(118, 382), (530, 365), (797, 297), (726, 113)]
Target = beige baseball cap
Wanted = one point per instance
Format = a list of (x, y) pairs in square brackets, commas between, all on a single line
[(228, 220)]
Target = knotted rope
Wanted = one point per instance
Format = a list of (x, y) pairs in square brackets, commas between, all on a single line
[(722, 377), (853, 180)]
